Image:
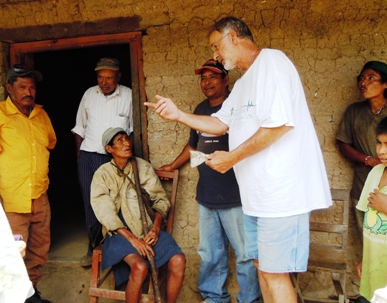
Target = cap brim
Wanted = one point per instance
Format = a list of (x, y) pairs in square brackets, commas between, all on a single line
[(214, 69), (111, 133), (106, 67)]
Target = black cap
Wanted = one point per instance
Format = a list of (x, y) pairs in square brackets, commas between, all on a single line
[(19, 70)]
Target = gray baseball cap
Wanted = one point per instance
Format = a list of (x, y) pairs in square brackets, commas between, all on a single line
[(110, 133), (108, 63)]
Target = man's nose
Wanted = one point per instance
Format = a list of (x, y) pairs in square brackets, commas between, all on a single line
[(363, 83), (207, 80)]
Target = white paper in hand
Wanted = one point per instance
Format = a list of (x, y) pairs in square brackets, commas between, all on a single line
[(197, 157)]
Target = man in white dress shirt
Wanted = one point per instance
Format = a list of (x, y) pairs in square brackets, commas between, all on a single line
[(105, 105)]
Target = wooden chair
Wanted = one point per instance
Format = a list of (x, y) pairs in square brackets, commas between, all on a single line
[(98, 277), (328, 250)]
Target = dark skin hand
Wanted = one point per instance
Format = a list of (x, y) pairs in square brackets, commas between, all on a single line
[(350, 153), (378, 201), (144, 246)]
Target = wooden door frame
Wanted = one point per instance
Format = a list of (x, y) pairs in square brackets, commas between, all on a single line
[(23, 53)]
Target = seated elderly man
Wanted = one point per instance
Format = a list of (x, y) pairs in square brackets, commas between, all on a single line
[(114, 201)]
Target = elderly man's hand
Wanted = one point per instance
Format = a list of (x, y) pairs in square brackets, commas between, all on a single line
[(220, 161), (144, 249), (151, 238), (165, 108)]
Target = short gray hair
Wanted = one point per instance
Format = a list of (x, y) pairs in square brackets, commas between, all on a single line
[(232, 23)]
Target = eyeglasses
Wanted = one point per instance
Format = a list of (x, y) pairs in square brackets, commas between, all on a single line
[(214, 46), (20, 69)]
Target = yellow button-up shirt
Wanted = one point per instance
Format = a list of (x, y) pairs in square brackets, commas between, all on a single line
[(24, 153)]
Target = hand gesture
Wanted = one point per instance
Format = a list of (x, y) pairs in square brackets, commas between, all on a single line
[(165, 108)]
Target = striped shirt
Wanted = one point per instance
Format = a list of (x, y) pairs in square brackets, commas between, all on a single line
[(98, 112)]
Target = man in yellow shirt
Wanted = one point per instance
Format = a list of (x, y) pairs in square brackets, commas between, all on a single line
[(26, 138)]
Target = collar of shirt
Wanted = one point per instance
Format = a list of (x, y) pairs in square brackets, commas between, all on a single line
[(13, 110), (115, 93)]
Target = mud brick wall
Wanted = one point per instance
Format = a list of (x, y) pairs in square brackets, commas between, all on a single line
[(328, 41)]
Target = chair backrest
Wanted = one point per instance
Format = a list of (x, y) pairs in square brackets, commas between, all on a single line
[(329, 239), (174, 176)]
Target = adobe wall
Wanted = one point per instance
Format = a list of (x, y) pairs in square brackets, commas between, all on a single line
[(328, 41)]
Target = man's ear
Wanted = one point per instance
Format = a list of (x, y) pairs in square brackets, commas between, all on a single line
[(8, 88), (226, 80), (108, 149), (233, 36)]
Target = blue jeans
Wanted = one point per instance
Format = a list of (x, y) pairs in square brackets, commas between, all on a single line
[(218, 228)]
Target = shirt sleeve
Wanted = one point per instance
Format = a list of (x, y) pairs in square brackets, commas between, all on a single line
[(152, 184), (277, 84), (273, 88), (81, 118), (51, 136), (344, 133), (131, 112), (102, 203), (371, 183)]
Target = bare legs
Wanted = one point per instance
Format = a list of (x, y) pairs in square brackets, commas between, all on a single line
[(276, 287), (139, 272), (176, 267)]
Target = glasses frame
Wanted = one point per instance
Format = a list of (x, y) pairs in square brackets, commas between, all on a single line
[(214, 46)]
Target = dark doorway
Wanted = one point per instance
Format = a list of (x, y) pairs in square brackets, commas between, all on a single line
[(66, 76)]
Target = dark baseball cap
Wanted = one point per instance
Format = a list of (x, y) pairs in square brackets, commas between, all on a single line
[(214, 66), (20, 70), (375, 65), (108, 63)]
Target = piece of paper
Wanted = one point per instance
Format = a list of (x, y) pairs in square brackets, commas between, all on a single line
[(197, 157)]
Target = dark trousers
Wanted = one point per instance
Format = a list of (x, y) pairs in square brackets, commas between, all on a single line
[(88, 163)]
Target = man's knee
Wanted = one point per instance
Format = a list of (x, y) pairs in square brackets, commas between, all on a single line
[(177, 263), (138, 268)]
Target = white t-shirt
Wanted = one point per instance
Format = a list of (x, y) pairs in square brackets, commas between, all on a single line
[(97, 112), (288, 177)]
